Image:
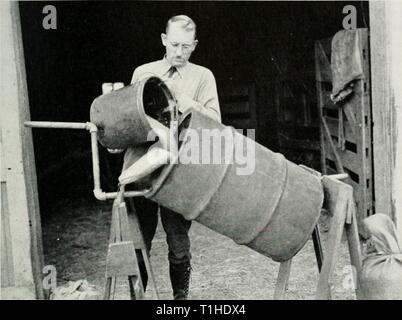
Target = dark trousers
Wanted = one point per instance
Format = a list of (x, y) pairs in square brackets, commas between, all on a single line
[(176, 229), (175, 226)]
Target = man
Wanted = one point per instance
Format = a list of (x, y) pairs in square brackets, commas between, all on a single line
[(193, 86)]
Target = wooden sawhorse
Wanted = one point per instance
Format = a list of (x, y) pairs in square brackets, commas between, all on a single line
[(121, 261), (338, 200)]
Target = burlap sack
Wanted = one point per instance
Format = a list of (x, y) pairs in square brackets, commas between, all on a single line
[(381, 276)]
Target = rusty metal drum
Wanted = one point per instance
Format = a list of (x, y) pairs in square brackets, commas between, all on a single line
[(273, 209), (120, 115)]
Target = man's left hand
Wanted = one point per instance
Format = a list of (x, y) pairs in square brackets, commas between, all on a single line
[(184, 102)]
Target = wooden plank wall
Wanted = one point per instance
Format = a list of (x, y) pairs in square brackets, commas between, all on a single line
[(355, 157), (238, 107), (21, 254), (386, 66), (298, 125), (7, 268)]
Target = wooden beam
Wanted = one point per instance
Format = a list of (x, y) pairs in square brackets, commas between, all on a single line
[(283, 279), (382, 108), (19, 183), (386, 66), (327, 133), (395, 14)]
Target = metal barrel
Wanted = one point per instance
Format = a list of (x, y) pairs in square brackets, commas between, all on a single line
[(121, 114), (273, 209)]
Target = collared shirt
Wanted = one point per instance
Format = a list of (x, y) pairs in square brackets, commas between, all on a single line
[(195, 86)]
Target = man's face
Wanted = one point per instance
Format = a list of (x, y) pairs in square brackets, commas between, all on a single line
[(179, 44)]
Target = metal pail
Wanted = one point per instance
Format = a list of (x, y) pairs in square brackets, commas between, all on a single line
[(121, 115), (272, 209)]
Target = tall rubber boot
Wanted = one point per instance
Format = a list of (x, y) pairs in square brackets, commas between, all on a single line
[(180, 279)]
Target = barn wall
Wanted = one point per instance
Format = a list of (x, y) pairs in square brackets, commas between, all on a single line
[(386, 59), (21, 251)]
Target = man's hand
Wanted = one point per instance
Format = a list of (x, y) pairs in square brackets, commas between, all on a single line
[(184, 102)]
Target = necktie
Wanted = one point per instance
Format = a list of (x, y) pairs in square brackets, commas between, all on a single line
[(166, 114), (172, 72)]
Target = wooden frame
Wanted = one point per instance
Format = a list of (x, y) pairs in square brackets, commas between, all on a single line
[(346, 141), (124, 242), (297, 125), (338, 200)]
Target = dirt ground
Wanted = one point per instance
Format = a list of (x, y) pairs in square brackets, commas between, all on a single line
[(75, 238)]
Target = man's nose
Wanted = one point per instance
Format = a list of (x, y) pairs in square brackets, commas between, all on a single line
[(179, 50)]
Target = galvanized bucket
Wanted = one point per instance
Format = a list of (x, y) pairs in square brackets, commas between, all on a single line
[(121, 115), (273, 210)]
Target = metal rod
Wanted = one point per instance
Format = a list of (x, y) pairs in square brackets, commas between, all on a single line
[(56, 125), (95, 163), (98, 193), (127, 194)]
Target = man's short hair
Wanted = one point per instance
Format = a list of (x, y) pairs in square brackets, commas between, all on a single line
[(185, 22)]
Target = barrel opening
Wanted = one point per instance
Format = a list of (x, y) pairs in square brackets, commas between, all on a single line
[(157, 99), (159, 176)]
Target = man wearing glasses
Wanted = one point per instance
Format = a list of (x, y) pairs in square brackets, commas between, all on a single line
[(193, 86)]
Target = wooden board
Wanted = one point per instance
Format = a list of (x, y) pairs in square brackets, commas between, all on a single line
[(21, 225), (238, 107), (297, 124), (384, 108)]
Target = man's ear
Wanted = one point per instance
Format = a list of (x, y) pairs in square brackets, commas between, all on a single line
[(195, 44), (163, 38)]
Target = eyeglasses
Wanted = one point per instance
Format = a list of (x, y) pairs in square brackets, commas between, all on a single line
[(185, 47)]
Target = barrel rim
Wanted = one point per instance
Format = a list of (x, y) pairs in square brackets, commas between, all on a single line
[(140, 98), (140, 102), (168, 168)]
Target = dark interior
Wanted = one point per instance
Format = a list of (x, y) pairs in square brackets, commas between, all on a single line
[(269, 45), (157, 99)]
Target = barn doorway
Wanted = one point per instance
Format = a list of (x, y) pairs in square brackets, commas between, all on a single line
[(264, 61)]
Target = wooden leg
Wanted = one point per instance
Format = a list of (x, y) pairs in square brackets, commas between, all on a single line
[(131, 282), (107, 289), (125, 238), (355, 252), (334, 239), (317, 247), (110, 288), (283, 279), (151, 276), (113, 286)]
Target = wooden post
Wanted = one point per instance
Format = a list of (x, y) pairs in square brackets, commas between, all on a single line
[(283, 279), (386, 66), (21, 277), (339, 201)]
